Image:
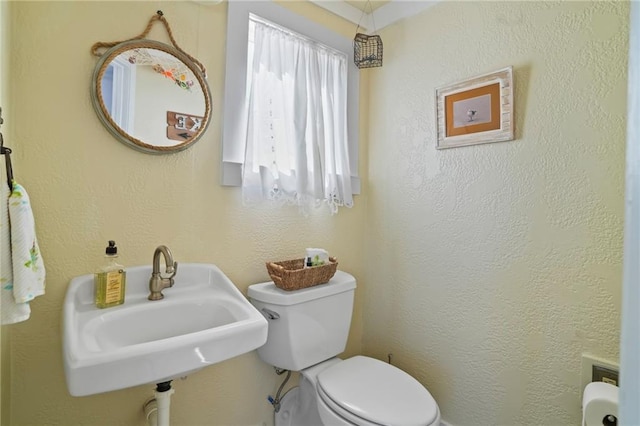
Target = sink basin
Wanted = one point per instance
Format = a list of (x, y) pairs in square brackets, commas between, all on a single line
[(203, 319)]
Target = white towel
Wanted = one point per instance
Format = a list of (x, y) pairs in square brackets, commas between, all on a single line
[(22, 270), (318, 256)]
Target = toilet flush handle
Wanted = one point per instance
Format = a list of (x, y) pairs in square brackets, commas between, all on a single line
[(269, 314)]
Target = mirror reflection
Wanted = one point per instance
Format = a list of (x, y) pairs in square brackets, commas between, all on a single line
[(151, 96)]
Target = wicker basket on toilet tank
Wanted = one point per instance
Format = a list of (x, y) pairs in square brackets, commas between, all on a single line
[(292, 275)]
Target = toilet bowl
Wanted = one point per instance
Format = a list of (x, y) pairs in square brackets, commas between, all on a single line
[(357, 391), (308, 328), (366, 391)]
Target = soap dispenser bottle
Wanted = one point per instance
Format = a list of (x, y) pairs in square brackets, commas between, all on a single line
[(110, 280)]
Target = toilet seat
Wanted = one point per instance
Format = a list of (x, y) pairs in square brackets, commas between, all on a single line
[(367, 391)]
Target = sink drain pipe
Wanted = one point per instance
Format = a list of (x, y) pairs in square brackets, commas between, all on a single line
[(156, 410)]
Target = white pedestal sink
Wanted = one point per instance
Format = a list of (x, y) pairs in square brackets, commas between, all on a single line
[(203, 319)]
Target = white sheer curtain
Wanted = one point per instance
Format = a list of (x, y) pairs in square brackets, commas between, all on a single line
[(296, 148)]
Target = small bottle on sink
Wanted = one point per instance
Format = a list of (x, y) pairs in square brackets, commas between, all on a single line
[(110, 280)]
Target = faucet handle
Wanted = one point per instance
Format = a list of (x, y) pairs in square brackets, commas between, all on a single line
[(172, 269)]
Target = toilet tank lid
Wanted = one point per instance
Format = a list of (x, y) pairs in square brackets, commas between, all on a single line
[(267, 292)]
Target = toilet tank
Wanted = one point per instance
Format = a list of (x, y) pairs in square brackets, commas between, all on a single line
[(306, 326)]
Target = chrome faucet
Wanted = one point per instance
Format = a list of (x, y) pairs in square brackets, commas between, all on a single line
[(157, 283)]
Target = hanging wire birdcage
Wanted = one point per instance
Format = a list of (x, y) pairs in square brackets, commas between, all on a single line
[(367, 49)]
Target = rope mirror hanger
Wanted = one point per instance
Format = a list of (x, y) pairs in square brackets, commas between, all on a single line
[(159, 16)]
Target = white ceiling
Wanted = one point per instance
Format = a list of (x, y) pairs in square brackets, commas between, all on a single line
[(384, 12), (366, 5)]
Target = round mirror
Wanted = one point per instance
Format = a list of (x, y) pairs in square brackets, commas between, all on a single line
[(151, 96)]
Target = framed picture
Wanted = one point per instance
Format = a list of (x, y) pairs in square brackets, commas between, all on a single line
[(474, 111)]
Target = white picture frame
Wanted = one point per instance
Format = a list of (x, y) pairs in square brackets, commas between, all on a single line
[(476, 111)]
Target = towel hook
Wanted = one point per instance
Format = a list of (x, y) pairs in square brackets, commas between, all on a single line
[(7, 156)]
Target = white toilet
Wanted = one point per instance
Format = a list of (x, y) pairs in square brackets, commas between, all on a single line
[(308, 328)]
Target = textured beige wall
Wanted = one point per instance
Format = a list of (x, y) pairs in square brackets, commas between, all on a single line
[(87, 188), (493, 267)]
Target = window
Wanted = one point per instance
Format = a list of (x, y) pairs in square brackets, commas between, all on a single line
[(119, 92), (294, 113)]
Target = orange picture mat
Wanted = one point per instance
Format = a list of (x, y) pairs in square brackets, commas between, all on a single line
[(493, 90)]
